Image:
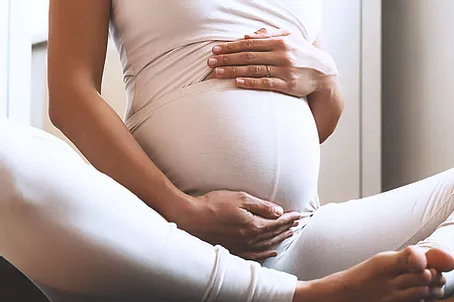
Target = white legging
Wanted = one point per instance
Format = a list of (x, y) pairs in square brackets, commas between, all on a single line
[(80, 236)]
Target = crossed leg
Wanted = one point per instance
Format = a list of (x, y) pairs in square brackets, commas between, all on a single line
[(344, 234)]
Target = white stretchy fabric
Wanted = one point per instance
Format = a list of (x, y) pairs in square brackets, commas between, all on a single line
[(80, 236), (164, 45), (83, 237), (263, 143)]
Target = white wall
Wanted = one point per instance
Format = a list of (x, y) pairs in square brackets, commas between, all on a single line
[(418, 94), (4, 46), (19, 73), (340, 157)]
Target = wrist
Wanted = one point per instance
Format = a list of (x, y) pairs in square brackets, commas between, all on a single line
[(165, 198)]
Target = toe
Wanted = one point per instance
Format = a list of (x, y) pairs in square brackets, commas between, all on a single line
[(439, 259), (435, 293), (437, 279), (410, 280), (412, 294), (411, 259)]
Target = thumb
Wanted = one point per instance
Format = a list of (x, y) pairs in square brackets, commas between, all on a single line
[(267, 33), (263, 208)]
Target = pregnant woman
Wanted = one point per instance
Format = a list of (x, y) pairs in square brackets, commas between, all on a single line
[(222, 140)]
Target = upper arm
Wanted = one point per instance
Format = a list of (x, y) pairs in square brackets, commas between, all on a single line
[(78, 34)]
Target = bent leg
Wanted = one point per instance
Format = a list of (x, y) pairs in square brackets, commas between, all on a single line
[(339, 236), (74, 230)]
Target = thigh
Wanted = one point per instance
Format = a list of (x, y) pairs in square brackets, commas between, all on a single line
[(81, 236), (341, 235)]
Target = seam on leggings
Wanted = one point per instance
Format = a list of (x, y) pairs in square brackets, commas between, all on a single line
[(216, 273), (278, 159), (428, 221)]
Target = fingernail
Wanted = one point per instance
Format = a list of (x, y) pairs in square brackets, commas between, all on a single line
[(240, 81), (274, 254), (220, 70), (217, 49), (279, 210), (212, 61)]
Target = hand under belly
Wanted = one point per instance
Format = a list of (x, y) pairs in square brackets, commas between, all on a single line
[(262, 143)]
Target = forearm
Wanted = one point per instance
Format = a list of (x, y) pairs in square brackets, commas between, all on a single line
[(326, 104), (89, 122)]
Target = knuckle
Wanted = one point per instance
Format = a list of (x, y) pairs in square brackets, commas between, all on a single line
[(266, 245), (268, 208), (282, 44), (248, 56), (243, 233), (252, 83), (284, 223), (255, 229), (287, 59), (292, 84), (229, 46), (256, 70), (225, 59), (291, 74), (251, 243), (248, 44), (243, 196), (268, 83), (233, 71)]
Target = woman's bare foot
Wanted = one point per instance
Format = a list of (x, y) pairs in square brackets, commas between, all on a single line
[(391, 277)]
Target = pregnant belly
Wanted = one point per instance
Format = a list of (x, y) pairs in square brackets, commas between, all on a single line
[(213, 136)]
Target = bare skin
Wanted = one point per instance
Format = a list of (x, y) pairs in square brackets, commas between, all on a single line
[(392, 277)]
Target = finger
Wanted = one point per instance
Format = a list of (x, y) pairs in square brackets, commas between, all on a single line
[(264, 33), (258, 255), (249, 45), (251, 71), (268, 225), (262, 208), (248, 58), (267, 244), (270, 84), (272, 234), (256, 71)]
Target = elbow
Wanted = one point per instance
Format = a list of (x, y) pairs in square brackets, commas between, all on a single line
[(54, 111), (64, 102), (330, 127), (56, 91), (326, 132)]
